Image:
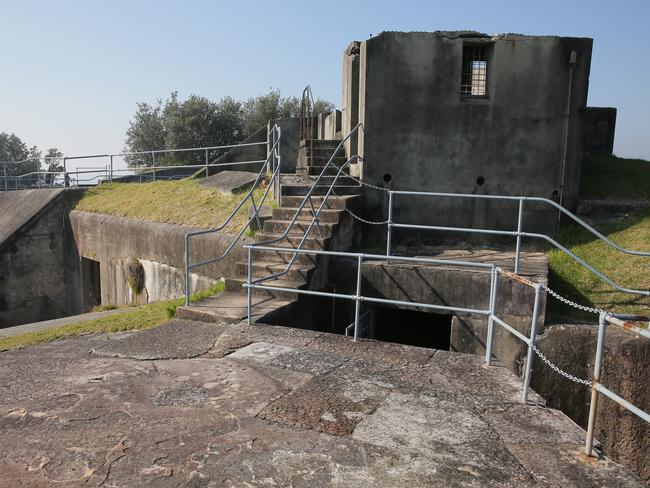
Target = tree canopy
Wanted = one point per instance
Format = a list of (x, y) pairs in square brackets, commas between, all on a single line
[(200, 122)]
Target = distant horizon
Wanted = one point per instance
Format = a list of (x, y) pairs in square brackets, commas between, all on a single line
[(74, 73)]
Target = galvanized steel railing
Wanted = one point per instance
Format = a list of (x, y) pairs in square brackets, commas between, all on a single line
[(491, 313), (271, 164), (518, 234), (92, 176)]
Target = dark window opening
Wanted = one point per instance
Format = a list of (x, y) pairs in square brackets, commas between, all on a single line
[(92, 290), (474, 71), (413, 328)]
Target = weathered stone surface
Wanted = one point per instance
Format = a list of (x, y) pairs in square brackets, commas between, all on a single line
[(286, 408), (175, 339), (230, 181)]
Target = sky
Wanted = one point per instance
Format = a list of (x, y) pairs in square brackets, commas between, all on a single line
[(73, 71)]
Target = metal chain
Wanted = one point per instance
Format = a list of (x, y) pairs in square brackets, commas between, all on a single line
[(594, 310), (561, 372), (363, 183), (383, 222)]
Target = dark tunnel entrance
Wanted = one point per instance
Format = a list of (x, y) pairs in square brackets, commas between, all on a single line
[(412, 327)]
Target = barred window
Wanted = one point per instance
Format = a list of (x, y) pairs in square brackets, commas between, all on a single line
[(473, 81)]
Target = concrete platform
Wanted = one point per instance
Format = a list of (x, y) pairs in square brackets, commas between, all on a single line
[(272, 406)]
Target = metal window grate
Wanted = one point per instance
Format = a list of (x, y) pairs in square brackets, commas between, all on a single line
[(474, 75)]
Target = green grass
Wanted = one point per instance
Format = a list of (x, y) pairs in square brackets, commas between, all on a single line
[(139, 318), (576, 282), (610, 177), (183, 202)]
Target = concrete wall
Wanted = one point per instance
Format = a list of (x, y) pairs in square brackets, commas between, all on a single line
[(289, 142), (420, 131), (116, 241), (40, 275), (600, 126), (350, 112)]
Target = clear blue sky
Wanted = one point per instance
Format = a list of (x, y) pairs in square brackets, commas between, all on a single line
[(73, 71)]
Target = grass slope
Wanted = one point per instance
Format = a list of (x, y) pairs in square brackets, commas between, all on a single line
[(144, 317), (183, 202), (612, 178)]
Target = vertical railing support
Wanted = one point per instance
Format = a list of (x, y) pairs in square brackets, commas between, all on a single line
[(187, 271), (4, 165), (520, 219), (249, 288), (66, 177), (593, 406), (206, 163), (531, 342), (493, 303), (389, 237), (111, 175), (153, 164), (357, 298)]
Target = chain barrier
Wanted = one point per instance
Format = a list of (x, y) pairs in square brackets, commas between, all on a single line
[(559, 371)]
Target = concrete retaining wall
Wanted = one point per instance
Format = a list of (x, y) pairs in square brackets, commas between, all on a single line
[(626, 362), (39, 267), (116, 241)]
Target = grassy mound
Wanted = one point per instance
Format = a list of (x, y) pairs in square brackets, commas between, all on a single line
[(182, 202)]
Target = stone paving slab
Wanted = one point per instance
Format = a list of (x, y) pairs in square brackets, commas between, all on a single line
[(273, 406)]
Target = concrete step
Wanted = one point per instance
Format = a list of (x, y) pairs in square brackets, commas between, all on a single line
[(235, 283), (341, 180), (278, 227), (297, 190), (331, 170), (287, 213), (229, 307), (289, 242), (320, 143), (333, 201), (297, 272)]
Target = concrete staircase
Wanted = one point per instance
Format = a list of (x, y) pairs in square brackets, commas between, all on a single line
[(307, 271)]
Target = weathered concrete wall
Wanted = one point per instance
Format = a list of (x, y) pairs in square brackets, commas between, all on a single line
[(600, 126), (350, 111), (241, 154), (626, 361), (289, 142), (39, 278), (116, 241), (423, 135)]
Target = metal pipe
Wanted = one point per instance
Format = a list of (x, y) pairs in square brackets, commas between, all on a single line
[(111, 178), (511, 329), (390, 223), (249, 288), (187, 271), (622, 402), (567, 120), (593, 406), (357, 298), (519, 228), (494, 282), (531, 343)]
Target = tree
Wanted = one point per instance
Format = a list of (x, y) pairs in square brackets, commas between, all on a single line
[(145, 133), (54, 165), (18, 160), (200, 122)]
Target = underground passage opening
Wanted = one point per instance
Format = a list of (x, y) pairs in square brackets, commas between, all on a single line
[(92, 292), (412, 327)]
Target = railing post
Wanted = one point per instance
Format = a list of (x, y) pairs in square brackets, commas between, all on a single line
[(249, 288), (187, 271), (593, 406), (357, 298), (111, 175), (389, 237), (4, 165), (66, 178), (153, 164), (493, 303), (520, 218), (531, 343), (206, 163)]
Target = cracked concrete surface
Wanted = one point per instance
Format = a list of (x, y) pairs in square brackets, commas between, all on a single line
[(233, 405)]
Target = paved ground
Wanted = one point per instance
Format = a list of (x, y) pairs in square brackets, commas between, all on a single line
[(270, 406)]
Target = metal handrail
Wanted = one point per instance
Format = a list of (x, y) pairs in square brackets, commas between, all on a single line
[(316, 213), (273, 158), (518, 234), (306, 110)]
